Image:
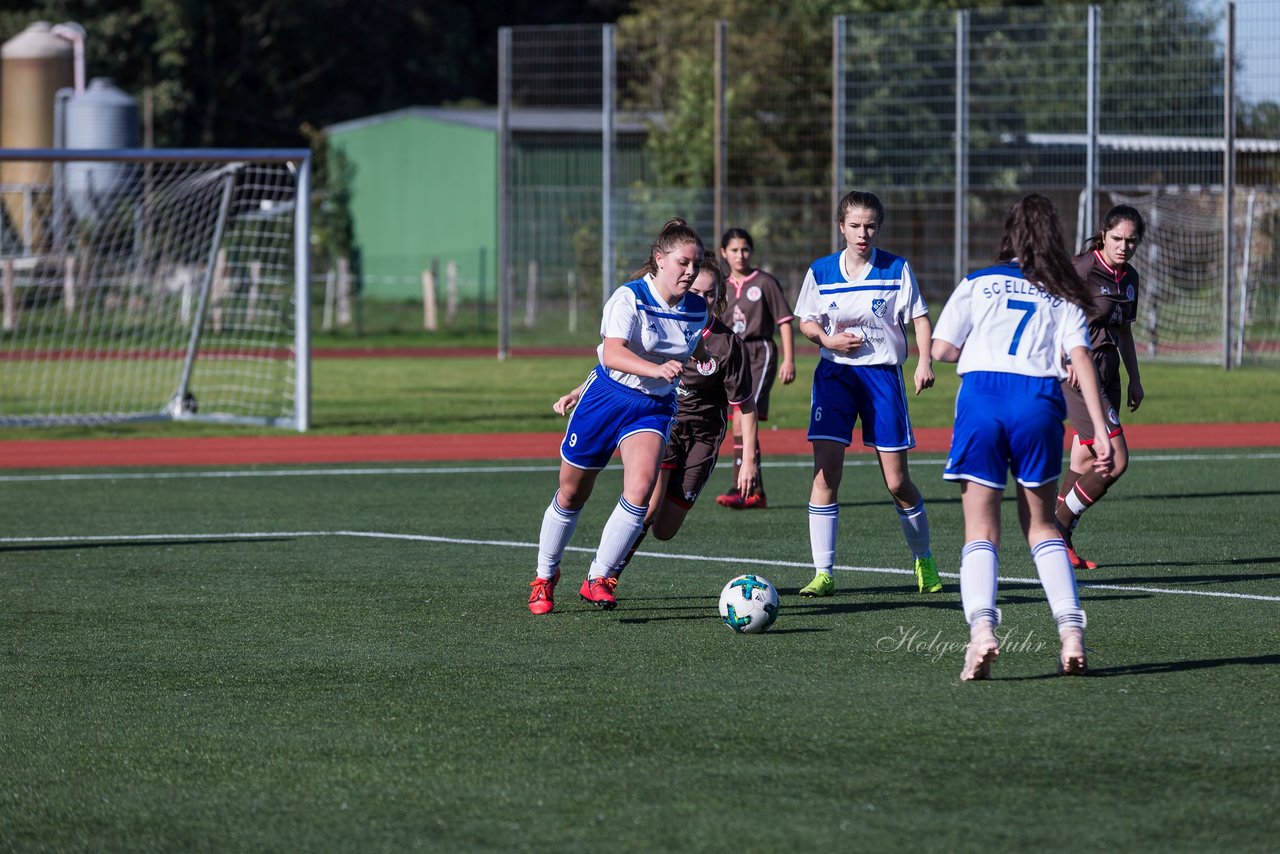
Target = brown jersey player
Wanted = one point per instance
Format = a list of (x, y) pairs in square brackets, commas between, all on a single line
[(1113, 283), (755, 308)]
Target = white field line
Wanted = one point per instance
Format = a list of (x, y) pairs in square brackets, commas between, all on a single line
[(736, 561), (512, 469)]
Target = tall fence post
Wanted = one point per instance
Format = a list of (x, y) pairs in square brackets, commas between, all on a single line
[(503, 276), (721, 127), (837, 118), (1228, 176), (1091, 120), (960, 248), (609, 74)]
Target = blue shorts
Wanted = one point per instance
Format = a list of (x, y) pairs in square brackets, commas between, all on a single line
[(875, 393), (607, 413), (1007, 422)]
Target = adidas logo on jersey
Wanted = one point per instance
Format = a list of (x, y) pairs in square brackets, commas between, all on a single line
[(832, 306)]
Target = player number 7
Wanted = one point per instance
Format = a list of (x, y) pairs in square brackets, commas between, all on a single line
[(1029, 308)]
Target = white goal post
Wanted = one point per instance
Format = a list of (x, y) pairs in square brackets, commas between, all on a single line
[(155, 284)]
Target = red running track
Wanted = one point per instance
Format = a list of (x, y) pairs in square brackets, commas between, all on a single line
[(294, 448)]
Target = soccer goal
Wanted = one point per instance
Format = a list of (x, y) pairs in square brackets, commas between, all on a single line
[(145, 285), (1181, 313)]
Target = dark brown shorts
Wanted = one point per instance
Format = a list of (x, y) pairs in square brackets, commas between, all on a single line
[(691, 457), (1078, 413), (763, 355)]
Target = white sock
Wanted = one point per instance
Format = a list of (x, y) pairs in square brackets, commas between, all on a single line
[(1059, 582), (824, 524), (979, 570), (915, 528), (558, 525), (624, 525)]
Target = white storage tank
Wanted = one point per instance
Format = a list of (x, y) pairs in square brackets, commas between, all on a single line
[(34, 65), (100, 117)]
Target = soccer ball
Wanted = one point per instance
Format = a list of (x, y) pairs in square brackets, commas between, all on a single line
[(749, 603)]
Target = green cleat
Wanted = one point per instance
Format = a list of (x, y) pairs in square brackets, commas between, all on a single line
[(822, 585), (927, 580)]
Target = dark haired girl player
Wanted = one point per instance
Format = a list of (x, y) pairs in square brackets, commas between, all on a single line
[(1007, 327), (1113, 284), (716, 377), (856, 305), (755, 306), (649, 328)]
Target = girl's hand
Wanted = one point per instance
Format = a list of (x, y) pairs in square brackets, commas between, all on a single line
[(842, 342), (669, 370), (566, 403), (1136, 394)]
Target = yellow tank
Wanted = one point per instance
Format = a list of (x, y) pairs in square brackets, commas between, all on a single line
[(34, 65)]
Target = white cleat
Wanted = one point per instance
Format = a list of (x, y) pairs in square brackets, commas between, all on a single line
[(982, 649)]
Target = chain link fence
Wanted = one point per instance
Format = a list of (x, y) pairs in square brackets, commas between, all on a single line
[(606, 132)]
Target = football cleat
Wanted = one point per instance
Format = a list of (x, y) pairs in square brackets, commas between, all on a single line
[(1072, 661), (611, 582), (927, 580), (982, 649), (598, 592), (754, 501), (1078, 562), (542, 597), (731, 499), (822, 585)]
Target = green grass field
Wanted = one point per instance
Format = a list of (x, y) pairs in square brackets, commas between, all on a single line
[(380, 395), (341, 660)]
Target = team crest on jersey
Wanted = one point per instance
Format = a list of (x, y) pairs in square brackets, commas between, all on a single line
[(708, 367), (754, 294), (878, 307), (1128, 293), (1112, 415), (1105, 290)]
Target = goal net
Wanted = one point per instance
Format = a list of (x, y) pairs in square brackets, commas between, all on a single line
[(1181, 311), (154, 285)]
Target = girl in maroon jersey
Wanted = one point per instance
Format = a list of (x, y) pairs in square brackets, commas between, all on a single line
[(755, 306), (1113, 283), (717, 376)]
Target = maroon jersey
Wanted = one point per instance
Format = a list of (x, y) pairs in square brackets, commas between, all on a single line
[(1115, 304), (755, 307), (717, 376)]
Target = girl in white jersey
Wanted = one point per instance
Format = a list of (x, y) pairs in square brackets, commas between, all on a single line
[(1007, 326), (650, 327), (856, 305)]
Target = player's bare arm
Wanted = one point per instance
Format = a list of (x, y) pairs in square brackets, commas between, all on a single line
[(618, 358), (787, 370), (924, 344), (1091, 388), (1129, 355)]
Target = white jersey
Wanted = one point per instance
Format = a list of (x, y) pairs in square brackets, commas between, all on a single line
[(876, 305), (1006, 324), (653, 330)]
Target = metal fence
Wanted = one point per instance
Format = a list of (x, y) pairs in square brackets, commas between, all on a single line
[(949, 116)]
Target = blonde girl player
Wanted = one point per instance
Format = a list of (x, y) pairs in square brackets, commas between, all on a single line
[(716, 377), (755, 306), (1113, 284), (649, 328), (1007, 326), (855, 305)]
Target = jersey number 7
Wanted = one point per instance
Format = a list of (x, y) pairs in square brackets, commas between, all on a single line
[(1028, 309)]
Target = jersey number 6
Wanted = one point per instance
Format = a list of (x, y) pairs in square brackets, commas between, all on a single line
[(1029, 308)]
